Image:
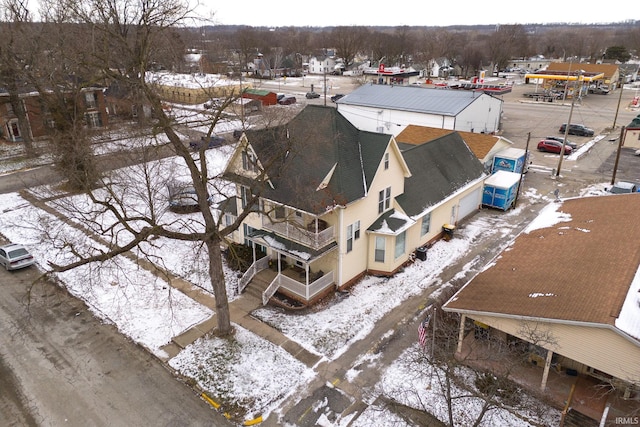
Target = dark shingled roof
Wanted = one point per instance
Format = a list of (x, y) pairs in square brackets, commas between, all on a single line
[(320, 139), (577, 270), (438, 168)]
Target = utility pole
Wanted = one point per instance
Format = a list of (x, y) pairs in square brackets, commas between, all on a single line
[(615, 166), (524, 168), (577, 86), (615, 118), (241, 98)]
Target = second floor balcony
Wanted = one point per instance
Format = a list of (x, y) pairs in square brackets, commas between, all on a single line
[(315, 234)]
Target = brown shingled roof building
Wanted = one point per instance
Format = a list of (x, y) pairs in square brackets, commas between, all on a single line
[(577, 278), (484, 146)]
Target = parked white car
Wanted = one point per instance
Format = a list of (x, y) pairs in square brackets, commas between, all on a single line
[(14, 257)]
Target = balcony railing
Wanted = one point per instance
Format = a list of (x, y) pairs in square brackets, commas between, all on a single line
[(307, 236)]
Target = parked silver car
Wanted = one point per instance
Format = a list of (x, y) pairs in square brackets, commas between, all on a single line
[(14, 257)]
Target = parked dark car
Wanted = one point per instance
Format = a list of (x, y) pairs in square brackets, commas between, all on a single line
[(211, 142), (287, 100), (14, 256), (213, 103), (571, 144), (552, 146), (312, 95), (579, 130), (337, 96)]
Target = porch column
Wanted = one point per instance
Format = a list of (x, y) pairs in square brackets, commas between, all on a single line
[(463, 319), (253, 250), (545, 373)]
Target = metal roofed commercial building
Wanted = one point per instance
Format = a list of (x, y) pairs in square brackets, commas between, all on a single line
[(390, 109)]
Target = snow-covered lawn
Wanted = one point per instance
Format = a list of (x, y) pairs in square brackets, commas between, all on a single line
[(142, 306)]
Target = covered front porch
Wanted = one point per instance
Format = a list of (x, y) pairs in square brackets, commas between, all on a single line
[(301, 273), (545, 373)]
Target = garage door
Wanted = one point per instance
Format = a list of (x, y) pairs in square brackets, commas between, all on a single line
[(469, 203)]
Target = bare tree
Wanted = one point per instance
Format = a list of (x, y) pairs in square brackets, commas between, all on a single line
[(126, 34), (348, 41), (507, 42), (470, 384)]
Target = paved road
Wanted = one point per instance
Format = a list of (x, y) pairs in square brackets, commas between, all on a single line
[(59, 366)]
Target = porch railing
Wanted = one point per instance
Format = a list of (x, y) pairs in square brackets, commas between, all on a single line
[(296, 232), (255, 268), (273, 287), (297, 288)]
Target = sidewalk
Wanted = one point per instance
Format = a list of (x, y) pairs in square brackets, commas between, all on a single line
[(240, 309)]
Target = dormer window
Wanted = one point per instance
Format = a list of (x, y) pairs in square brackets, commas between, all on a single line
[(249, 162)]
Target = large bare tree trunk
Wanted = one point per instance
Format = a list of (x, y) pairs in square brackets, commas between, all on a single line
[(219, 287)]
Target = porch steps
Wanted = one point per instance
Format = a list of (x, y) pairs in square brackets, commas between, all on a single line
[(578, 419), (258, 285)]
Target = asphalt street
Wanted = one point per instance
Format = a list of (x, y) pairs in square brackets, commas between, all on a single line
[(60, 366)]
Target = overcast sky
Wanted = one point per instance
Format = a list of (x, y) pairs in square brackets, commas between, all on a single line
[(462, 12)]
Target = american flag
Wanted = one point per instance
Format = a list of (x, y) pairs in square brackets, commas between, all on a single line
[(422, 331)]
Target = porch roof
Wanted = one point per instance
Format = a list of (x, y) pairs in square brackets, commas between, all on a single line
[(390, 222), (291, 248), (579, 269)]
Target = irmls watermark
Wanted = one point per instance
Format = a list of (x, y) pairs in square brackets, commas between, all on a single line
[(627, 421)]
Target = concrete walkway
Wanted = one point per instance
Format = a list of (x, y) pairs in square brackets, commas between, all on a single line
[(240, 309)]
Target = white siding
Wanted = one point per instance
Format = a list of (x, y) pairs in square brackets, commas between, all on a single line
[(600, 348), (482, 115), (392, 121)]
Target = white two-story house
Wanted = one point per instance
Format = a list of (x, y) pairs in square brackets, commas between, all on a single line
[(336, 203)]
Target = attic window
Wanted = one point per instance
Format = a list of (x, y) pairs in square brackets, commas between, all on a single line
[(248, 162), (386, 161)]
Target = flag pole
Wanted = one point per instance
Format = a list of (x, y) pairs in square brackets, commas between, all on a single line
[(433, 343)]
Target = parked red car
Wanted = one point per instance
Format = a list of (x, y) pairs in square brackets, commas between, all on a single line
[(287, 100), (552, 146)]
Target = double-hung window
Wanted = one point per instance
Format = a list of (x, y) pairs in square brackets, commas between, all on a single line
[(245, 196), (401, 240), (249, 162), (353, 233), (426, 224), (384, 199), (379, 254)]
